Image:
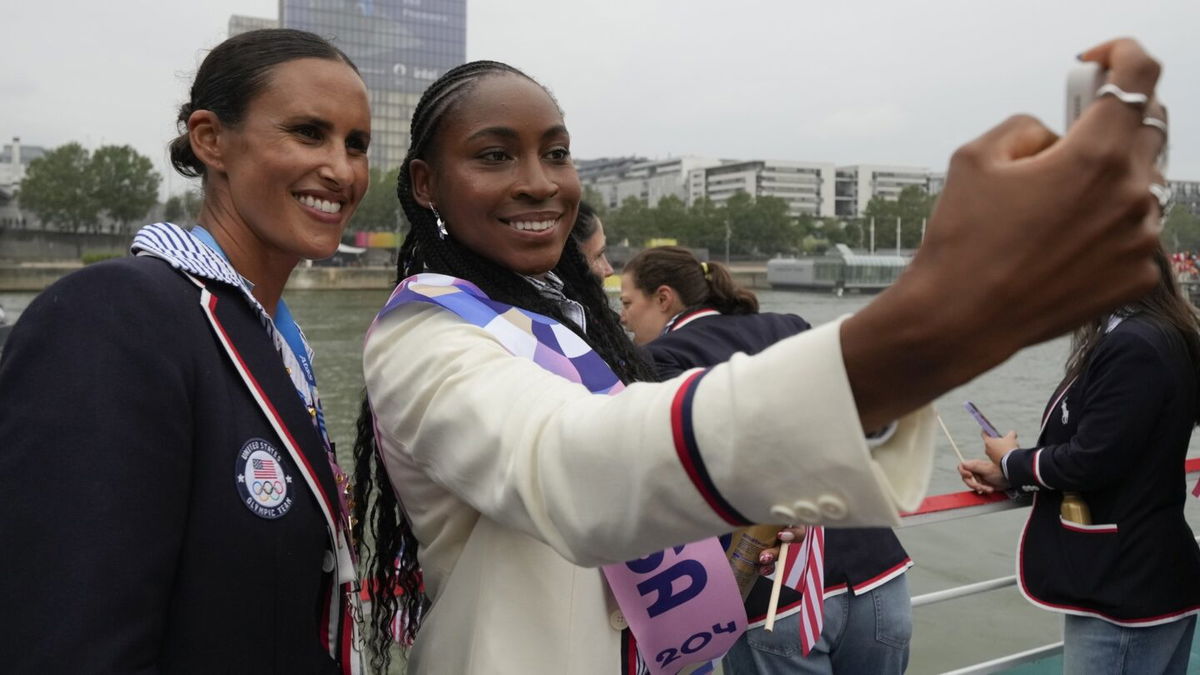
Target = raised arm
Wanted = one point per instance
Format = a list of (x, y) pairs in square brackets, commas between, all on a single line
[(1032, 236)]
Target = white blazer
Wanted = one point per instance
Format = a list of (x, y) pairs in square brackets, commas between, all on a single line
[(520, 483)]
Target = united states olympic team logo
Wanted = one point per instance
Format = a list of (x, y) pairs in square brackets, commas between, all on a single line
[(262, 481)]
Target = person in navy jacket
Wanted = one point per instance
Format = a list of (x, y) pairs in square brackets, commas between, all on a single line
[(691, 314), (1106, 542), (171, 502)]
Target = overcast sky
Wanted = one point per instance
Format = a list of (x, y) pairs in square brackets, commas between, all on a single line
[(881, 82)]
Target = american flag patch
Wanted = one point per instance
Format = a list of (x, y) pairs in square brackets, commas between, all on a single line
[(264, 468)]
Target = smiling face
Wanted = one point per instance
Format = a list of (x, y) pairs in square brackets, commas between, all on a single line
[(500, 174), (292, 172)]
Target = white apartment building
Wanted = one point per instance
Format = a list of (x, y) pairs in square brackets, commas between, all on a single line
[(648, 180), (14, 159), (1186, 193), (807, 187), (857, 184)]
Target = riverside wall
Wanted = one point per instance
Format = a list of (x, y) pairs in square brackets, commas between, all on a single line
[(24, 277)]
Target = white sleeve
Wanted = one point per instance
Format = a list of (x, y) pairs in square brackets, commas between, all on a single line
[(773, 438)]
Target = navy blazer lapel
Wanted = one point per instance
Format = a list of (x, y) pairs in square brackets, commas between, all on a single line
[(248, 345)]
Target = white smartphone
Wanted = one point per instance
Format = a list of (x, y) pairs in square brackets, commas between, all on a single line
[(1082, 83), (983, 421)]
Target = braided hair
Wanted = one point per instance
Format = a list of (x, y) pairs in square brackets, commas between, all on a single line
[(392, 564)]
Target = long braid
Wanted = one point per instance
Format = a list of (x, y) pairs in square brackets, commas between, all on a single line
[(392, 563)]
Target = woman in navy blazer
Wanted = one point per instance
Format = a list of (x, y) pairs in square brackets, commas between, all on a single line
[(171, 503), (1106, 542), (691, 314)]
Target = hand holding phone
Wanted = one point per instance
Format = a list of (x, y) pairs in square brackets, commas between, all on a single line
[(983, 421), (1083, 81)]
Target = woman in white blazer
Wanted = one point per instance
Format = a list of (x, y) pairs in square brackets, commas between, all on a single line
[(501, 480)]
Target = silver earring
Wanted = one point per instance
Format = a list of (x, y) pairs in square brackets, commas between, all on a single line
[(441, 224)]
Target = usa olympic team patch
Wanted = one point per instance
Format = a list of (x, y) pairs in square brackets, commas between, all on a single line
[(262, 481)]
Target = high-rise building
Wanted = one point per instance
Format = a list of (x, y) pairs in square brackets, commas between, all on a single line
[(240, 23), (399, 46)]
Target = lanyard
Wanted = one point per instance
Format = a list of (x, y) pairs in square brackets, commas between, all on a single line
[(290, 332)]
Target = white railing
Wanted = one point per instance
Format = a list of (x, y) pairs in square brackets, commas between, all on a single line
[(956, 505)]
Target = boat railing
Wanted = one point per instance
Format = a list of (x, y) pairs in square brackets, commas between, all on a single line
[(967, 504)]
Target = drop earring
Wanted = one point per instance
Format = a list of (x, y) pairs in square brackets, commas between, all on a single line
[(441, 224)]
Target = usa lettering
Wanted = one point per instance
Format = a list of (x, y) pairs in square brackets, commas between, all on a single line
[(673, 585)]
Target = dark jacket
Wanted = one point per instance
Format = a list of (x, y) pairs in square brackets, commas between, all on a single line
[(125, 437), (857, 560), (1118, 437)]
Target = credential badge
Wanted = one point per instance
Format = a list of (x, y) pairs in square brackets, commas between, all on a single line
[(262, 480)]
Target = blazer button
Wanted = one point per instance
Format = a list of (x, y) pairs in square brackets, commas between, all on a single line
[(617, 620), (327, 562), (833, 508), (783, 514), (806, 512)]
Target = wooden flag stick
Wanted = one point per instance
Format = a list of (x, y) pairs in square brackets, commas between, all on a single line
[(773, 605), (950, 438)]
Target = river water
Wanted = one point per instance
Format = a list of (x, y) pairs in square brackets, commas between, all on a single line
[(947, 635)]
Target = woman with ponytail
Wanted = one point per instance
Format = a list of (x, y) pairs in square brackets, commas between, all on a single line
[(692, 314), (543, 515)]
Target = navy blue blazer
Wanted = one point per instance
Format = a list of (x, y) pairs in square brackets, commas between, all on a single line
[(857, 560), (135, 455), (1118, 436)]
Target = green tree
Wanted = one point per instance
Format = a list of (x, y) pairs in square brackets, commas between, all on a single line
[(1181, 230), (669, 219), (379, 210), (183, 208), (596, 200), (58, 188), (912, 207), (774, 229), (173, 209), (124, 183), (629, 222), (706, 226)]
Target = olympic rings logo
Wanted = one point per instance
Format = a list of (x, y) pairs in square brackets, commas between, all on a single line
[(268, 491)]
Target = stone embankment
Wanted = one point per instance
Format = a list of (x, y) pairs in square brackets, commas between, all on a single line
[(25, 277)]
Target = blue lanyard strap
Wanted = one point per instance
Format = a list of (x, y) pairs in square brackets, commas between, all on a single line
[(286, 325)]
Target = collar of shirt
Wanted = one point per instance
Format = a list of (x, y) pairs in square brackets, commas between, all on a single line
[(551, 288)]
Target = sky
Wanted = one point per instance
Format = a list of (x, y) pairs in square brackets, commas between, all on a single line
[(844, 81)]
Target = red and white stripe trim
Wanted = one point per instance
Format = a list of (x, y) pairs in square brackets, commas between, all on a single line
[(1037, 468), (1105, 528)]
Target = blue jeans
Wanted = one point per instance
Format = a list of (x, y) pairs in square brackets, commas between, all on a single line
[(1094, 647), (868, 633)]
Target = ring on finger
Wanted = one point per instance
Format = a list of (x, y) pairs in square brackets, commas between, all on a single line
[(1162, 193), (1161, 125), (1133, 98)]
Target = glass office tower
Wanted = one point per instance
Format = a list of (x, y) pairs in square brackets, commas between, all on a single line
[(399, 46)]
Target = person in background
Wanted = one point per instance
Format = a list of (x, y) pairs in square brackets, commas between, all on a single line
[(1106, 543), (492, 456), (692, 314), (172, 504), (588, 234)]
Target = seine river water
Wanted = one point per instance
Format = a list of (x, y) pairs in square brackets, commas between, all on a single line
[(947, 635)]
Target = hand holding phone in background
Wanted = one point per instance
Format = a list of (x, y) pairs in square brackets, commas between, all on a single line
[(983, 421), (984, 476)]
